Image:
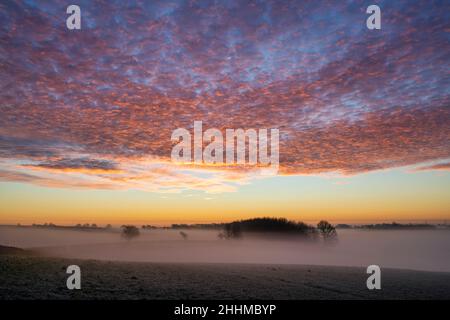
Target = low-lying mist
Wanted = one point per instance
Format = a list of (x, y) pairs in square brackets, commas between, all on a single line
[(406, 249)]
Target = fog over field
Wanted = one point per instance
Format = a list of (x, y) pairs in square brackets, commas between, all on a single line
[(406, 249)]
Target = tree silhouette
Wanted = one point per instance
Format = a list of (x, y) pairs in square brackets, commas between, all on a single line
[(184, 235), (233, 230), (129, 232), (327, 230)]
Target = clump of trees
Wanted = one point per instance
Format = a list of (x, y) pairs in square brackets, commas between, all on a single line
[(279, 226), (129, 232), (265, 225)]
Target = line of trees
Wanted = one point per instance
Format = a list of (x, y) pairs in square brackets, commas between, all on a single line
[(78, 226), (235, 229)]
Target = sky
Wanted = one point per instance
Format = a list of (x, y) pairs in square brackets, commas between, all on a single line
[(87, 115)]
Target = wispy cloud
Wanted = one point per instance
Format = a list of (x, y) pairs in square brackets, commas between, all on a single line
[(438, 166)]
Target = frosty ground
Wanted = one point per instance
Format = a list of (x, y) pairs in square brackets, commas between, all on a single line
[(37, 277)]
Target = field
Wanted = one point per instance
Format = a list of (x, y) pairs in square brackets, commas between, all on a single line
[(34, 277), (160, 264)]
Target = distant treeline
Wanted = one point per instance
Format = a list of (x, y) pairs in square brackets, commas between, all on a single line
[(86, 226), (211, 226), (265, 225), (392, 226), (230, 230), (260, 225)]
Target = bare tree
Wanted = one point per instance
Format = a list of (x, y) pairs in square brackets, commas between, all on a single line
[(327, 230)]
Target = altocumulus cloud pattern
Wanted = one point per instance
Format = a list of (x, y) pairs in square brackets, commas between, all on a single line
[(96, 107)]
